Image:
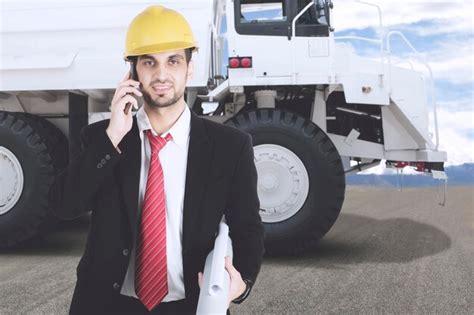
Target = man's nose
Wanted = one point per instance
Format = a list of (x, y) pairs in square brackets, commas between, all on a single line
[(161, 73)]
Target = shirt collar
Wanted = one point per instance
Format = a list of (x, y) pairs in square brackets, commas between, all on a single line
[(179, 131)]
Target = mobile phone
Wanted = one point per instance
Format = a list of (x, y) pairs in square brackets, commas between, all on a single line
[(133, 76)]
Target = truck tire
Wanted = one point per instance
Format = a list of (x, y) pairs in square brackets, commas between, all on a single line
[(301, 181), (53, 135), (30, 158)]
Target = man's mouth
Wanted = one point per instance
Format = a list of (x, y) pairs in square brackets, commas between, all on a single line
[(160, 89)]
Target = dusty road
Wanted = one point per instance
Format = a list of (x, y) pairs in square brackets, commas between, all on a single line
[(389, 252)]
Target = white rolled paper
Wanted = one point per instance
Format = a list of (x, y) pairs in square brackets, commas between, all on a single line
[(218, 264), (214, 294)]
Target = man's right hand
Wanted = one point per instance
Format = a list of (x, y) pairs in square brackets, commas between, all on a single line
[(120, 122)]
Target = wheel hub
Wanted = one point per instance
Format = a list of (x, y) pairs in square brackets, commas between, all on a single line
[(269, 182), (283, 182), (11, 180)]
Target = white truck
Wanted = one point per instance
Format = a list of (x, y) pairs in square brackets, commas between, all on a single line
[(316, 110)]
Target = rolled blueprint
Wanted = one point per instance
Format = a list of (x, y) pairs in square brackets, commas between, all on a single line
[(213, 298)]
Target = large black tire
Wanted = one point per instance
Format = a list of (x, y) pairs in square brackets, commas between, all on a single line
[(41, 150), (324, 168), (52, 135)]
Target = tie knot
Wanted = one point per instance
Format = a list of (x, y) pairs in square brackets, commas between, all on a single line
[(157, 142)]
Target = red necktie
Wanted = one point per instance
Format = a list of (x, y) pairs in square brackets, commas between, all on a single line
[(151, 272)]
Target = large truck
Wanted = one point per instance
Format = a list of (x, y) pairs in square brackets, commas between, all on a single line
[(316, 110)]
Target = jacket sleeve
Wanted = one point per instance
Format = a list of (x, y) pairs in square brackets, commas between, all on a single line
[(74, 189), (245, 225)]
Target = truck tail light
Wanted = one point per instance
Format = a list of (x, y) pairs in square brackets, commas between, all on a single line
[(240, 62), (234, 63), (246, 62), (419, 166)]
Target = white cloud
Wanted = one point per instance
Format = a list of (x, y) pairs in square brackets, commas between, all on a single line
[(441, 26), (453, 61), (465, 103), (455, 135), (348, 14)]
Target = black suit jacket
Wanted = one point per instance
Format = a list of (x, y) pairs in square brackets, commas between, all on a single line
[(221, 178)]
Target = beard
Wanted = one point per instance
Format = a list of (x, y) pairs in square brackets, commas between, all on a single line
[(157, 103)]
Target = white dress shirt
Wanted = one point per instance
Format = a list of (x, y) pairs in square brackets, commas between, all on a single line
[(173, 157)]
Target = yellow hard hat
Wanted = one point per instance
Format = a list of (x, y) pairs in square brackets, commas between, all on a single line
[(158, 29)]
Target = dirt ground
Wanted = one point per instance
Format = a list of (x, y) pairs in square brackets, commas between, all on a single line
[(389, 252)]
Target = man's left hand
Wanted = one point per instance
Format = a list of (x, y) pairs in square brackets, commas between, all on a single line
[(237, 285)]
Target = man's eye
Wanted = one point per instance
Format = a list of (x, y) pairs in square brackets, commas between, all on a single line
[(148, 63), (174, 61)]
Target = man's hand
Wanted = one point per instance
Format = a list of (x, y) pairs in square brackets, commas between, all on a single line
[(237, 285), (120, 122)]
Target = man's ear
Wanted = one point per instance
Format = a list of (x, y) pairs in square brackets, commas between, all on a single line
[(190, 70)]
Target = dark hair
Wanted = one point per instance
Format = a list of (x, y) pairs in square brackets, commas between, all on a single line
[(188, 53)]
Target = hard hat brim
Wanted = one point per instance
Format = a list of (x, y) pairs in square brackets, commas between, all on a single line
[(159, 48)]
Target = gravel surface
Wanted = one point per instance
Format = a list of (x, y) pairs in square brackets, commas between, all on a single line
[(389, 252)]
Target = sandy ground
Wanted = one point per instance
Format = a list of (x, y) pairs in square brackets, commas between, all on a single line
[(389, 252)]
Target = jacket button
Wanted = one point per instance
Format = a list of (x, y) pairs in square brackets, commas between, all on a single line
[(107, 157), (99, 165), (125, 252), (116, 286), (103, 161)]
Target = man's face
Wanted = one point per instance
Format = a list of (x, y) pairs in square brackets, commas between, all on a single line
[(163, 77)]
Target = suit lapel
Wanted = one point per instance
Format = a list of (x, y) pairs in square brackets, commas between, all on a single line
[(129, 169), (197, 173)]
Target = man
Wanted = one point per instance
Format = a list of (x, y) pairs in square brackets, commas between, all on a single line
[(158, 184)]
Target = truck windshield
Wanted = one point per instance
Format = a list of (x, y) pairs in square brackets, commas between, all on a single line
[(262, 11)]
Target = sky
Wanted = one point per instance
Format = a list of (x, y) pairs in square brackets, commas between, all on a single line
[(442, 32)]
